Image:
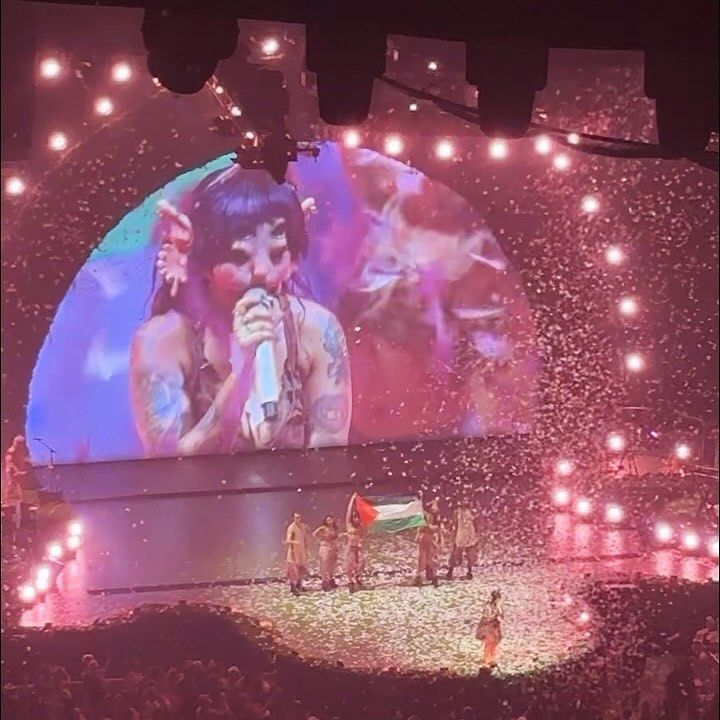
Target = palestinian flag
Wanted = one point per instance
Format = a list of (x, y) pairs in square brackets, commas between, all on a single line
[(389, 513)]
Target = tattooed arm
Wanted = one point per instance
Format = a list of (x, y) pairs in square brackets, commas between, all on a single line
[(160, 362), (328, 396)]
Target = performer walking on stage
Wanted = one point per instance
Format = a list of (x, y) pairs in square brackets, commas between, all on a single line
[(296, 553), (488, 629), (328, 534), (465, 540), (354, 554), (428, 542)]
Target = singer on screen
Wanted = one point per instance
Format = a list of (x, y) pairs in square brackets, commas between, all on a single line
[(231, 358)]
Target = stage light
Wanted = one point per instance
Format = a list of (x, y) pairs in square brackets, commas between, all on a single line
[(584, 617), (628, 306), (567, 600), (15, 186), (54, 550), (73, 543), (351, 139), (663, 532), (583, 507), (614, 513), (57, 141), (616, 442), (564, 467), (713, 547), (28, 594), (683, 451), (104, 106), (444, 150), (121, 72), (634, 362), (42, 579), (393, 145), (561, 162), (614, 255), (235, 111), (690, 540), (561, 497), (270, 46), (413, 107), (50, 68), (75, 528), (590, 204), (543, 144), (219, 89), (573, 138), (432, 66), (249, 135), (498, 149)]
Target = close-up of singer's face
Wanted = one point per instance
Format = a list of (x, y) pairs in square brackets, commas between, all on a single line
[(259, 257)]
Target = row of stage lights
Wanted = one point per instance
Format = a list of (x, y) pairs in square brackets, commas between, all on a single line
[(44, 575)]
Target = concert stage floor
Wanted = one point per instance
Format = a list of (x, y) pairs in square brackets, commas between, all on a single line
[(227, 549)]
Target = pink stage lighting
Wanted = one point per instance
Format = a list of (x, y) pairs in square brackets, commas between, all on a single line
[(561, 162), (104, 107), (614, 514), (561, 497), (50, 68), (54, 550), (270, 46), (573, 138), (690, 540), (564, 467), (351, 139), (498, 149), (444, 150), (543, 144), (590, 204), (683, 451), (28, 594), (73, 543), (713, 547), (584, 617), (75, 528), (393, 145), (663, 532), (628, 306), (634, 362), (15, 186), (583, 507), (42, 579), (121, 72), (432, 66), (413, 107), (614, 255), (58, 141), (616, 442), (235, 111)]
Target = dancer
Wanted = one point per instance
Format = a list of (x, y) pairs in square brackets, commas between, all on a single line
[(354, 555), (428, 542), (488, 629), (227, 272), (465, 540), (328, 534), (296, 553)]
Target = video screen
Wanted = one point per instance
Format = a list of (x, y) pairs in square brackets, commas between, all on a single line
[(361, 301)]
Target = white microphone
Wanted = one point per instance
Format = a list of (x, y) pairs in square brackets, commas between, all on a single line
[(266, 384)]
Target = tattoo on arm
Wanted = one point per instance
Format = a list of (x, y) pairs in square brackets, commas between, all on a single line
[(166, 407), (330, 413), (338, 368)]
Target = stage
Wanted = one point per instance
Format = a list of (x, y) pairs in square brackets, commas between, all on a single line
[(225, 547)]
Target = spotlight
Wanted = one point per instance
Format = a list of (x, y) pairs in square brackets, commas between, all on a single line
[(121, 72), (584, 617), (219, 89), (57, 141), (444, 150), (432, 66), (43, 576), (498, 149), (634, 362), (573, 138), (351, 139), (683, 451), (15, 186), (346, 59), (614, 255), (590, 204), (561, 162), (75, 528), (28, 594), (104, 107), (614, 514), (543, 144), (50, 68), (713, 547), (628, 306), (249, 135), (690, 540), (413, 107), (561, 497), (663, 532), (507, 75), (185, 45), (616, 442), (270, 46), (54, 550), (393, 145), (73, 543), (235, 111), (583, 507), (564, 467)]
